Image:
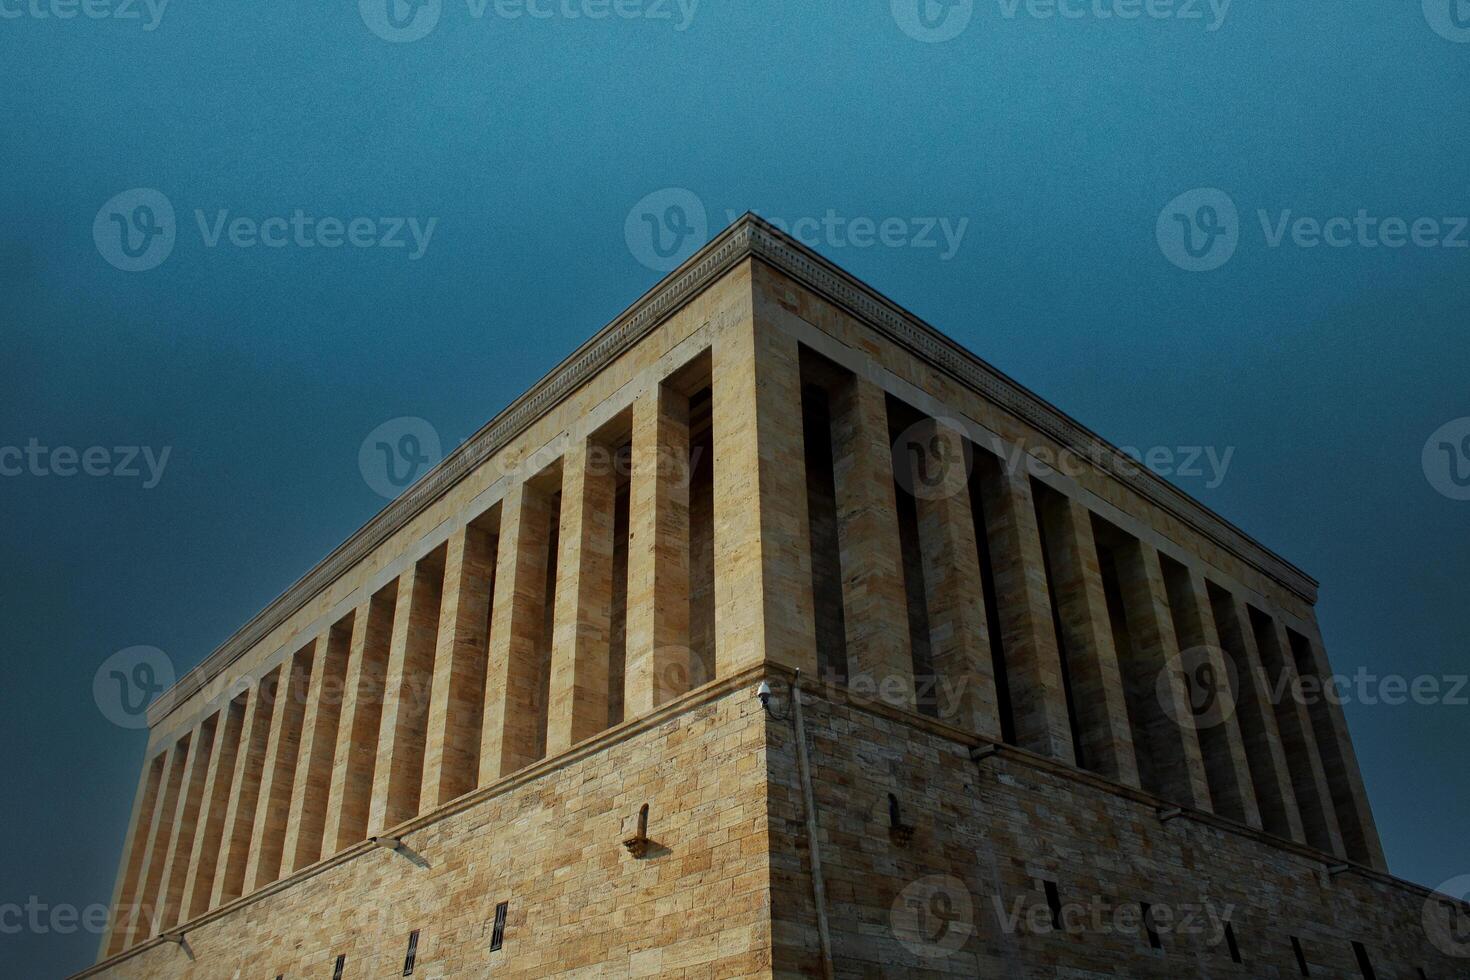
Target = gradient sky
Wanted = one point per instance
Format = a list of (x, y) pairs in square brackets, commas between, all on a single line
[(1058, 141)]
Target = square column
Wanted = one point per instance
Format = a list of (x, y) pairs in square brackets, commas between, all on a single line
[(1028, 635), (959, 637), (1263, 745), (356, 755), (1203, 660), (279, 776), (186, 823), (1344, 778), (161, 837), (577, 705), (1086, 632), (203, 858), (763, 561), (229, 876), (399, 771), (513, 736), (1159, 694), (306, 825), (457, 699), (657, 664), (874, 603)]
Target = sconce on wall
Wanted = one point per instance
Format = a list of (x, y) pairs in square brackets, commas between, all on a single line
[(638, 844), (898, 831)]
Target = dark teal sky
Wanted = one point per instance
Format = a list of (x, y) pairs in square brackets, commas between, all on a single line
[(1058, 142)]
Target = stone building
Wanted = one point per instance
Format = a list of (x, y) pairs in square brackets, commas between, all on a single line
[(512, 727)]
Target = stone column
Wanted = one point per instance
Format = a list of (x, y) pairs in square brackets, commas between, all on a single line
[(578, 702), (657, 664), (512, 736), (229, 876), (1344, 778), (1092, 656), (1221, 744), (398, 774), (204, 856), (1175, 747), (1028, 636), (140, 829), (1308, 778), (959, 638), (307, 822), (357, 729), (186, 823), (763, 561), (874, 603), (158, 845), (457, 699), (279, 777), (1264, 749)]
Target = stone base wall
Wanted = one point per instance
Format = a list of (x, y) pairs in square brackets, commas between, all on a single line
[(965, 895), (549, 842)]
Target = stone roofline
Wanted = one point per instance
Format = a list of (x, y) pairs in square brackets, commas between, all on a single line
[(748, 237)]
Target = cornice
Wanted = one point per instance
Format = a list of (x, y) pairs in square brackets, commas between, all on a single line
[(748, 237)]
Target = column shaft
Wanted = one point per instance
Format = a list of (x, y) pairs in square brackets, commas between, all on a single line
[(657, 658), (140, 833), (306, 825), (1173, 747), (959, 637), (1092, 657), (513, 736), (874, 603), (204, 856), (398, 773), (763, 563), (457, 699), (229, 877), (357, 730), (158, 846), (581, 625), (1028, 635), (283, 748), (186, 823)]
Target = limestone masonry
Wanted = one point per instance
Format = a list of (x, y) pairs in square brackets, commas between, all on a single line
[(1055, 718)]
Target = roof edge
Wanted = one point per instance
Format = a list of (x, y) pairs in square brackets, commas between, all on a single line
[(748, 236)]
